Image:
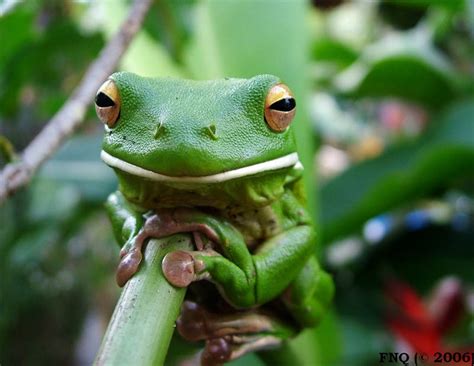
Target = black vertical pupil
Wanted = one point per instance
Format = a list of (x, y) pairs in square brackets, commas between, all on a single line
[(284, 105), (103, 100)]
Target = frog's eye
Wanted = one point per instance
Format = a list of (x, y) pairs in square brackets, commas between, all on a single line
[(107, 103), (280, 107)]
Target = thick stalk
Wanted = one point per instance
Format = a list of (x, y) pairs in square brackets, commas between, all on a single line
[(141, 327)]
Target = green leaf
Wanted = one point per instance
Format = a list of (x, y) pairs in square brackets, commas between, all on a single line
[(7, 151), (403, 66), (448, 4), (408, 78), (145, 56), (169, 24), (331, 50), (64, 53), (401, 174), (21, 20)]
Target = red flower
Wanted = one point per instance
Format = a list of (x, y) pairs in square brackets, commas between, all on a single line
[(421, 325)]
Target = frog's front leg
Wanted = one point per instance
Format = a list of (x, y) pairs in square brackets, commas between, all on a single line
[(243, 279), (309, 295), (127, 221), (133, 228), (230, 266)]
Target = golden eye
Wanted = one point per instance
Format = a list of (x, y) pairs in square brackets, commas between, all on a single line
[(107, 103), (280, 107)]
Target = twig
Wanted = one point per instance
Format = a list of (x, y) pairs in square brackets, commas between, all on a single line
[(71, 115), (7, 6), (141, 327)]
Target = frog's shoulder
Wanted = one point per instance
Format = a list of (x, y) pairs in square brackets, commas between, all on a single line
[(294, 184), (294, 178), (293, 202)]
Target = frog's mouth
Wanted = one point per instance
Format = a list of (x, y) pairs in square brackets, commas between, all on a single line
[(290, 160)]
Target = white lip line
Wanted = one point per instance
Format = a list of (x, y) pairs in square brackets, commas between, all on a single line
[(279, 163)]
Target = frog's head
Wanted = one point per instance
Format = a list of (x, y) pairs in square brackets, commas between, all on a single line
[(180, 128), (196, 131)]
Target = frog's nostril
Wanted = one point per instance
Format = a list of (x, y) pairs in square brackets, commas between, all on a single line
[(211, 130), (159, 129)]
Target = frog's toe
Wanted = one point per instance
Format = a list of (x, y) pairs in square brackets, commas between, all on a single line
[(223, 349), (191, 324), (128, 266), (178, 268), (216, 352), (126, 248)]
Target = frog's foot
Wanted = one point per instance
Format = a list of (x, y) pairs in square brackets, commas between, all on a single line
[(182, 267), (218, 351), (229, 336), (168, 222), (224, 349), (196, 323), (130, 258), (162, 224)]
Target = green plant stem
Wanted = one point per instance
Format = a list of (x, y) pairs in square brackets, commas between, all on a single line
[(141, 327)]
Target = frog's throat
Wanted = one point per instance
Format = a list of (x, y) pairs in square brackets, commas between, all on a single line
[(290, 160)]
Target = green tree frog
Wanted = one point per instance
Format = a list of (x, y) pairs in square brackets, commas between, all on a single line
[(216, 159)]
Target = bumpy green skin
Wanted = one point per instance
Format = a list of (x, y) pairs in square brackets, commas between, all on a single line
[(266, 241)]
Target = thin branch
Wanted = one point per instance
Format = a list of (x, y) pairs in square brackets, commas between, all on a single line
[(71, 115), (7, 6)]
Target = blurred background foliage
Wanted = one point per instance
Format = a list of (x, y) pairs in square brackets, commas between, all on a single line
[(386, 95)]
